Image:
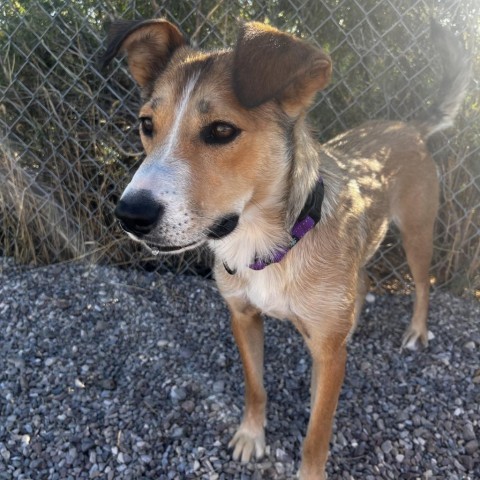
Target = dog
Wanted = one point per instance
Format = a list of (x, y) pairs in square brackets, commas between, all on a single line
[(231, 163)]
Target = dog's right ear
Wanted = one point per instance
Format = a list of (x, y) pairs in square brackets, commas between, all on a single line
[(149, 45), (270, 64)]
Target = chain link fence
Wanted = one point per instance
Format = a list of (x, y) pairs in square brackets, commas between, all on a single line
[(69, 139)]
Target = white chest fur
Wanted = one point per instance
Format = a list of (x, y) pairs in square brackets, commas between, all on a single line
[(268, 290)]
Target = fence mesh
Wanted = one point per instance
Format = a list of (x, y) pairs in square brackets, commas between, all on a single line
[(69, 139)]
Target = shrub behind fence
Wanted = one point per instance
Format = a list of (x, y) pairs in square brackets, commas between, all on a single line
[(69, 138)]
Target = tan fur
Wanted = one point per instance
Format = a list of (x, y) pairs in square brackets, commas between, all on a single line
[(373, 174)]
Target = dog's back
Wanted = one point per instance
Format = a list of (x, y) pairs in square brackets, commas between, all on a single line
[(392, 170), (391, 160)]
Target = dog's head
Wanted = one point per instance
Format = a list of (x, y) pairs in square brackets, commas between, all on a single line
[(216, 128)]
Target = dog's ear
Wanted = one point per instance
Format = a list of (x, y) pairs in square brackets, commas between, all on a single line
[(269, 64), (149, 45)]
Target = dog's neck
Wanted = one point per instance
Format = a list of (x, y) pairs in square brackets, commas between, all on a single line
[(310, 162), (304, 171), (265, 226)]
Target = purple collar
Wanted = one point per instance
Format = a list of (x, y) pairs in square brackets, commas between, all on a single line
[(306, 221)]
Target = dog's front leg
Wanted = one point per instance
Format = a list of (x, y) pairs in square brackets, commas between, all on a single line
[(329, 356), (247, 326)]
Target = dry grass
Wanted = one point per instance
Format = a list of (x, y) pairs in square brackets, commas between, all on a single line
[(34, 225), (42, 224)]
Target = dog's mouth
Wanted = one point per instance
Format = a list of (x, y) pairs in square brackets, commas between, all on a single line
[(157, 249), (172, 249), (218, 230)]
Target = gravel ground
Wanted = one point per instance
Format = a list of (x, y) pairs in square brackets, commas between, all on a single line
[(117, 374)]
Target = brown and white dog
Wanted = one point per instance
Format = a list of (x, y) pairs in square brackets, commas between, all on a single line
[(232, 163)]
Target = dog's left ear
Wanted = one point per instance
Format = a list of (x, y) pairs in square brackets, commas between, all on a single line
[(149, 45), (269, 64)]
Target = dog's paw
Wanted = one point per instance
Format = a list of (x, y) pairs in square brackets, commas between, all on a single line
[(303, 475), (246, 442), (414, 339)]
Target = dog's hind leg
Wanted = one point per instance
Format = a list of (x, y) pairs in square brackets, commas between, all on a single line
[(418, 248), (247, 327), (416, 222)]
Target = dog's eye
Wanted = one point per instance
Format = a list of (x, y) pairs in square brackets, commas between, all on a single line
[(146, 125), (218, 133)]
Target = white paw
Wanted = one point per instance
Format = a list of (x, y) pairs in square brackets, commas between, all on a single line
[(246, 442), (414, 339), (306, 476)]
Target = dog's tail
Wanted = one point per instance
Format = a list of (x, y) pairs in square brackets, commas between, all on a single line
[(454, 84)]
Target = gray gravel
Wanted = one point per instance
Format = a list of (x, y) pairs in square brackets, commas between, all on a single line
[(118, 374)]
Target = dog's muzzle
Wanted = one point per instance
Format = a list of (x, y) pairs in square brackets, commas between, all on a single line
[(139, 212)]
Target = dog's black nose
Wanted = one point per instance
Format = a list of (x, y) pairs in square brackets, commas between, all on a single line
[(139, 212)]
